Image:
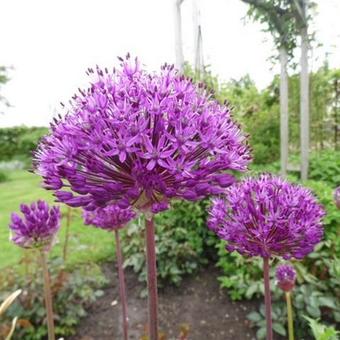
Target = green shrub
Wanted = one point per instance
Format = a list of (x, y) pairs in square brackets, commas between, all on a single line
[(325, 166), (321, 331), (3, 176), (73, 292), (182, 242), (19, 141)]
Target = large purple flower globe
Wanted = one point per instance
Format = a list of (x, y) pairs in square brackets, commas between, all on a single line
[(109, 218), (268, 216), (139, 139), (38, 226)]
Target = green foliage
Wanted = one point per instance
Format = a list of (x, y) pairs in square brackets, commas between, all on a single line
[(321, 331), (3, 176), (258, 111), (325, 167), (72, 292), (19, 141), (258, 319), (241, 276), (278, 18), (3, 80), (182, 242)]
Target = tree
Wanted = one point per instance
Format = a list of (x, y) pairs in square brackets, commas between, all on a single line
[(3, 80), (277, 16)]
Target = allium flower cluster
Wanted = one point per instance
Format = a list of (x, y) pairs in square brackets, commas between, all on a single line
[(38, 226), (268, 216), (110, 218), (140, 139), (286, 277), (337, 197)]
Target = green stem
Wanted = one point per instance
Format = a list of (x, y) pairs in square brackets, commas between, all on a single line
[(290, 316), (48, 297)]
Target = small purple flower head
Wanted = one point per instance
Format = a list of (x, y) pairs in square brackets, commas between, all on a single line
[(139, 139), (38, 226), (268, 216), (286, 276), (109, 218), (337, 197)]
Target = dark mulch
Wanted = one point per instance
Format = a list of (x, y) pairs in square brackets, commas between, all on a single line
[(198, 303)]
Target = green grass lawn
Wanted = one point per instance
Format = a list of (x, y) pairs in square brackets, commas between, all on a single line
[(86, 244)]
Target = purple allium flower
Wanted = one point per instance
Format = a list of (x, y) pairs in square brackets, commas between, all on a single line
[(286, 276), (109, 218), (38, 226), (268, 216), (139, 139), (337, 197)]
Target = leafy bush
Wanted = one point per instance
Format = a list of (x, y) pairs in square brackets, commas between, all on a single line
[(322, 332), (73, 292), (182, 242), (3, 176), (325, 166), (19, 141)]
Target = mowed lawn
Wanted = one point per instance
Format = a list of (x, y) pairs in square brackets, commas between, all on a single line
[(85, 244)]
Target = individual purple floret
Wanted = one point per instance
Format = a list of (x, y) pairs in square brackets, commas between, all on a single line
[(38, 226), (109, 218), (268, 216), (139, 139), (286, 276), (337, 197)]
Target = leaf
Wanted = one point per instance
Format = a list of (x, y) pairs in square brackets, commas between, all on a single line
[(253, 288), (254, 316), (261, 333), (9, 300), (313, 311), (279, 328), (327, 301)]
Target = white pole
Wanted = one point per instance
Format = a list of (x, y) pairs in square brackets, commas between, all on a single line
[(198, 47), (304, 98), (178, 35)]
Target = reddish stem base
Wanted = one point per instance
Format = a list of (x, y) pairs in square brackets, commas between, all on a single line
[(152, 278), (122, 288)]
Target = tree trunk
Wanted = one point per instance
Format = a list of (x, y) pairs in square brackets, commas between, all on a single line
[(304, 104), (284, 128), (178, 35)]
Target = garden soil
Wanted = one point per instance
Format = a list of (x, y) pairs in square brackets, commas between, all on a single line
[(198, 306)]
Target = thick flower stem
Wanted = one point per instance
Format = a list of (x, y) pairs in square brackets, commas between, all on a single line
[(122, 288), (290, 316), (267, 298), (67, 233), (152, 277), (48, 297)]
